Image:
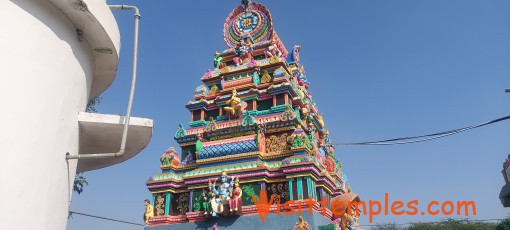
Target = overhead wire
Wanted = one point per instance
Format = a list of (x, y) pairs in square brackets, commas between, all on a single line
[(421, 138), (104, 218)]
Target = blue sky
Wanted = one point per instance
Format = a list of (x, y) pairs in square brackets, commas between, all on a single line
[(378, 70)]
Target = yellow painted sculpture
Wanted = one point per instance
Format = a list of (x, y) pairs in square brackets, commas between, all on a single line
[(301, 224), (321, 120), (234, 104), (149, 211)]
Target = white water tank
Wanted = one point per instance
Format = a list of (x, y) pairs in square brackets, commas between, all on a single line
[(54, 56)]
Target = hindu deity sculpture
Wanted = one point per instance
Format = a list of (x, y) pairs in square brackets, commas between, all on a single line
[(221, 193), (305, 115), (234, 104), (295, 52), (301, 76), (245, 3), (188, 159), (321, 120), (218, 64), (235, 201), (350, 220), (149, 211), (305, 111), (272, 50), (302, 224), (244, 50), (215, 204), (206, 204)]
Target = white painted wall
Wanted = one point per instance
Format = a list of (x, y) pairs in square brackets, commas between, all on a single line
[(45, 77)]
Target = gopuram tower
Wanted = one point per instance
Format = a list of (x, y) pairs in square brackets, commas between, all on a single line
[(257, 154)]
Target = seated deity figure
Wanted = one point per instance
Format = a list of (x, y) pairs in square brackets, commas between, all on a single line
[(247, 49), (234, 104), (272, 50), (235, 201), (216, 206), (222, 192), (244, 51)]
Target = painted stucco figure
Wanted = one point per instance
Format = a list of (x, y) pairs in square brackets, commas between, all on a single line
[(221, 192), (302, 224), (244, 51), (218, 61), (149, 211), (272, 50), (235, 201), (206, 202), (234, 104), (215, 203)]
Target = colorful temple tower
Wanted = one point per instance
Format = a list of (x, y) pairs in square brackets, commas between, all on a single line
[(255, 131)]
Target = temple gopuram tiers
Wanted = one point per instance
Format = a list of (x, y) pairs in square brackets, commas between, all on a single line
[(254, 129)]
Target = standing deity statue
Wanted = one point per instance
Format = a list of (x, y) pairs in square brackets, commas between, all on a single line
[(234, 104), (206, 204), (235, 201), (218, 61), (149, 211)]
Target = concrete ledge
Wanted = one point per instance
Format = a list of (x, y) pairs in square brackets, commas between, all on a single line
[(99, 29), (102, 133), (252, 222)]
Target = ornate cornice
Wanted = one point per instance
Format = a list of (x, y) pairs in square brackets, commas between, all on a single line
[(228, 158), (179, 167)]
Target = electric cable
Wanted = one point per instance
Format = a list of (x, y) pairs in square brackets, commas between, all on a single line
[(421, 138), (104, 218)]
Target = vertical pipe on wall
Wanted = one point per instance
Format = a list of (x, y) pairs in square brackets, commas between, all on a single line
[(122, 147)]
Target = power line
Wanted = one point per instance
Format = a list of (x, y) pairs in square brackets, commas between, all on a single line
[(421, 138), (104, 218)]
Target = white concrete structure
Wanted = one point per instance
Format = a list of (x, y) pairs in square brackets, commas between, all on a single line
[(54, 56)]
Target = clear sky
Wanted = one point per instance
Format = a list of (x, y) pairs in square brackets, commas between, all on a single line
[(378, 70)]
